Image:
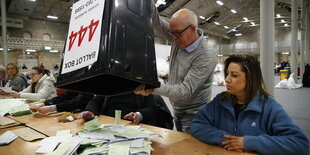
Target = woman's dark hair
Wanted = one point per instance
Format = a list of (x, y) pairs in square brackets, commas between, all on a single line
[(253, 74), (42, 70)]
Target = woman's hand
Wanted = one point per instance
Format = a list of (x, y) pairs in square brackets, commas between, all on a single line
[(15, 95), (133, 116), (234, 143)]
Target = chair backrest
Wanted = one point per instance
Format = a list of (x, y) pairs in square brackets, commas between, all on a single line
[(164, 117)]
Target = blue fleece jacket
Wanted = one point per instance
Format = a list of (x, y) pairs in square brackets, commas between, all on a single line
[(266, 127)]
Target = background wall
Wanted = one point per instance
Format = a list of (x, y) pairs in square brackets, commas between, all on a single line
[(39, 30)]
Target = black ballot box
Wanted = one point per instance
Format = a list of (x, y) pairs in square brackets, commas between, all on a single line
[(126, 52)]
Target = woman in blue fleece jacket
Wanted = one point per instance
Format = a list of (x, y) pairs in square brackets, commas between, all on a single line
[(246, 117)]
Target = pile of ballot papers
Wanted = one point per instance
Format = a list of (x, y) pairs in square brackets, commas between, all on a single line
[(17, 107), (99, 138), (12, 106)]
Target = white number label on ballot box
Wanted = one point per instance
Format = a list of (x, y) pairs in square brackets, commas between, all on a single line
[(82, 44)]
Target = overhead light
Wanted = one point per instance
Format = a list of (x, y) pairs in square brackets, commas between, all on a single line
[(220, 55), (233, 11), (219, 2), (216, 23), (30, 50), (245, 19), (47, 47), (160, 2), (1, 49), (226, 27), (282, 21), (31, 0), (232, 30), (28, 53), (286, 25), (252, 23), (54, 51), (52, 17), (278, 15), (238, 34), (286, 53), (202, 17)]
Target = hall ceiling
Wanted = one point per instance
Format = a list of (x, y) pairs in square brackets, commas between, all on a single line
[(27, 9)]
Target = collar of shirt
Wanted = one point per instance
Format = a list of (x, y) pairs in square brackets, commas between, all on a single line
[(195, 44)]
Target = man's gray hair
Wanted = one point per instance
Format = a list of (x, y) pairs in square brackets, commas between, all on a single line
[(192, 19), (190, 16)]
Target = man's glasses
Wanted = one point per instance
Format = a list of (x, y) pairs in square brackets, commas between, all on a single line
[(179, 33), (32, 74)]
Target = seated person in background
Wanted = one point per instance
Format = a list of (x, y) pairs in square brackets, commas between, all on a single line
[(16, 81), (68, 101), (41, 86), (134, 107), (2, 76), (246, 117)]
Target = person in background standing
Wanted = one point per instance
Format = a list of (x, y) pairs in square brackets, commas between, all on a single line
[(42, 66), (24, 66)]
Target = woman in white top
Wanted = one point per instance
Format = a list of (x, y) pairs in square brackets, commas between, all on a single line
[(41, 85)]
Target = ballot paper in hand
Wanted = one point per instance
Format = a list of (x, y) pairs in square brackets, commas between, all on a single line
[(7, 137), (92, 125)]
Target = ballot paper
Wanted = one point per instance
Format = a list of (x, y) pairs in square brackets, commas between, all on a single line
[(98, 135), (118, 114), (7, 137), (6, 121), (137, 143), (48, 148), (121, 148), (63, 132), (28, 134), (12, 105), (68, 147), (76, 141), (48, 145), (118, 128), (92, 125)]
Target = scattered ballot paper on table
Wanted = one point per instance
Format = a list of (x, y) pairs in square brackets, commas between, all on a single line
[(7, 137), (6, 121)]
